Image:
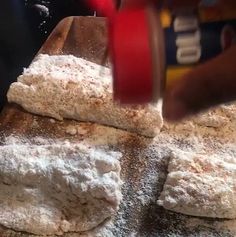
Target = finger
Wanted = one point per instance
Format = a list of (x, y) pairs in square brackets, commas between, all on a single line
[(207, 85)]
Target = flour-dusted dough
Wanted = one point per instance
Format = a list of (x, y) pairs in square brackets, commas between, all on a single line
[(70, 87), (200, 185), (54, 189)]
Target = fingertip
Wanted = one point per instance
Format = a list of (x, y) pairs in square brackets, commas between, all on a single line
[(207, 85), (174, 108)]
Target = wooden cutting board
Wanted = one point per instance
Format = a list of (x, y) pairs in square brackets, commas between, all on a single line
[(86, 37)]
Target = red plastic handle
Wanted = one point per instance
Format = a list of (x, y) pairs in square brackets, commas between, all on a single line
[(131, 57), (130, 51)]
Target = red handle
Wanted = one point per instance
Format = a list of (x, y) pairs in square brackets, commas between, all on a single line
[(131, 56), (130, 51)]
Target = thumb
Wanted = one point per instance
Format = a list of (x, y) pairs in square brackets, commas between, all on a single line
[(209, 84)]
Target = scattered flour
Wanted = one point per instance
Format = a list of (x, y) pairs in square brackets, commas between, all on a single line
[(144, 170), (76, 129), (139, 215), (81, 130), (71, 130), (52, 120)]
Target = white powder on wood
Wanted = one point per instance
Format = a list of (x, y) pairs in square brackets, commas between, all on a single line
[(52, 120), (71, 130), (151, 164), (144, 171)]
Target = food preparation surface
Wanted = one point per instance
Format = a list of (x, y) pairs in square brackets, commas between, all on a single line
[(144, 163)]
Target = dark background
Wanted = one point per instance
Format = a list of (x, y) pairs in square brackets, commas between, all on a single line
[(24, 26)]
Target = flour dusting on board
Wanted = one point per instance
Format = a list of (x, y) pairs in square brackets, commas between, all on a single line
[(144, 165)]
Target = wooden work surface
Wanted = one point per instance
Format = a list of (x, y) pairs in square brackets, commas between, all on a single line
[(86, 37)]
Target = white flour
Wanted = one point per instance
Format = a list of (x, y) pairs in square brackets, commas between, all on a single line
[(71, 130), (151, 162), (144, 168), (58, 188)]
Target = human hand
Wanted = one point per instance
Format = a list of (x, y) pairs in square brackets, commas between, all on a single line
[(209, 84)]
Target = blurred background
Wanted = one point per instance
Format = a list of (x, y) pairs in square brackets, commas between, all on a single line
[(24, 26)]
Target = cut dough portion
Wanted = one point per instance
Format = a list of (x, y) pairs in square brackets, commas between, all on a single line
[(211, 120), (200, 185), (54, 189), (70, 87)]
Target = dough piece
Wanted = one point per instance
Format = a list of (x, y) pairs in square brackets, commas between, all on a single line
[(54, 189), (200, 185), (70, 87), (211, 120)]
